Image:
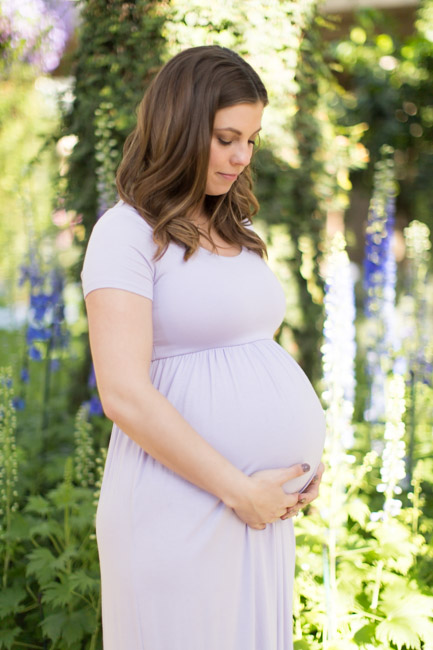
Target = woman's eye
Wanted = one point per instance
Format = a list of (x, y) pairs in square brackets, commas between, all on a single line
[(253, 142), (223, 141)]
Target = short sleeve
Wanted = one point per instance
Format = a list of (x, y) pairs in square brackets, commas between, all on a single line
[(119, 253)]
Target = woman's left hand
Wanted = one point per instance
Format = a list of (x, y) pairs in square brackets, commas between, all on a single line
[(311, 493)]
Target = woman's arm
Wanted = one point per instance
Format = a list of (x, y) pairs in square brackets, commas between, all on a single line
[(120, 332)]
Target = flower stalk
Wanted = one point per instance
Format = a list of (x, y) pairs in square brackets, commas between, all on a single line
[(379, 285), (338, 360), (393, 469), (8, 467)]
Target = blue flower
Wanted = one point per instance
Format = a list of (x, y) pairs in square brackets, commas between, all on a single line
[(38, 334), (24, 375), (34, 353), (18, 403), (95, 406), (92, 378), (379, 285), (39, 303), (55, 364)]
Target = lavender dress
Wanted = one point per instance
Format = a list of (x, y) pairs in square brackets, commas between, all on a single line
[(179, 570)]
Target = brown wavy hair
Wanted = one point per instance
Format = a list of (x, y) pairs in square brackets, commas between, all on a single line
[(163, 172)]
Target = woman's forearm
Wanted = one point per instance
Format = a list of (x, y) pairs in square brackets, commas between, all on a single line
[(154, 423)]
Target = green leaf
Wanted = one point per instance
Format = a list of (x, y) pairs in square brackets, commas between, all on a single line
[(400, 631), (52, 625), (7, 637), (395, 602), (58, 593), (77, 625), (62, 560), (365, 634), (80, 581), (10, 599), (62, 496), (359, 511), (38, 504), (19, 527), (424, 629), (70, 628), (46, 528), (301, 645), (41, 563)]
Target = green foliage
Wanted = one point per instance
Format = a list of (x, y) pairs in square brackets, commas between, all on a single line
[(119, 51), (28, 117), (302, 165), (50, 570), (380, 595), (300, 177), (389, 80), (376, 597), (359, 583)]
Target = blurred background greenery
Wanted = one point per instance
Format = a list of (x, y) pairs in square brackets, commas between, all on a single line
[(345, 79)]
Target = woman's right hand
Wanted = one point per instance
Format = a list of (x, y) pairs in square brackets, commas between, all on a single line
[(265, 500)]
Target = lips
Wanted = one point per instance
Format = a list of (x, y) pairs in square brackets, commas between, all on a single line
[(229, 177)]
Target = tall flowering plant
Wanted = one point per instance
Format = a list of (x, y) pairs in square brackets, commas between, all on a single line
[(393, 469), (106, 155), (379, 285), (46, 333), (417, 310), (339, 347), (8, 474), (418, 344), (338, 350)]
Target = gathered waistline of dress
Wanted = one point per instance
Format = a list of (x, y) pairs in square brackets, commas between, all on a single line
[(217, 347)]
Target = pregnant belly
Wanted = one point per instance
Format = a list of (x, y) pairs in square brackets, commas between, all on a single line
[(251, 402)]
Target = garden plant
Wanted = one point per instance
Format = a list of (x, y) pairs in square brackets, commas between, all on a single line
[(362, 332)]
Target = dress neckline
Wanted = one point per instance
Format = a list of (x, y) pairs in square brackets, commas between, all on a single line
[(209, 252)]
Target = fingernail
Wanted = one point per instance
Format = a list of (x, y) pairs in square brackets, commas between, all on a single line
[(305, 467), (302, 500), (315, 479)]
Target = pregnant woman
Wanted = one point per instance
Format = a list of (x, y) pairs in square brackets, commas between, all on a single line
[(217, 433)]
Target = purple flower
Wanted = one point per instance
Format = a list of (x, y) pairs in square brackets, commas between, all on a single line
[(33, 31), (55, 364), (47, 309), (37, 334), (34, 353), (18, 403), (92, 378), (30, 272), (379, 285), (39, 303), (24, 375), (95, 406)]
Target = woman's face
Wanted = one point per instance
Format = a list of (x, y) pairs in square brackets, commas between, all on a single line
[(234, 134)]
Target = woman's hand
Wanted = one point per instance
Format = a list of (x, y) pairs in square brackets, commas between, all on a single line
[(265, 501), (306, 497)]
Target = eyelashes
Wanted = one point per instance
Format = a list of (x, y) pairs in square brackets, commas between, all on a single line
[(225, 143)]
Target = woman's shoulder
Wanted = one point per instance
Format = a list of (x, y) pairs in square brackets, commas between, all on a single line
[(123, 217)]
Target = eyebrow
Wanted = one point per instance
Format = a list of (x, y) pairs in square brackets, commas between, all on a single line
[(230, 128)]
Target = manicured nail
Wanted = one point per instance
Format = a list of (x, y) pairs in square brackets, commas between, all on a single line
[(302, 500), (306, 467)]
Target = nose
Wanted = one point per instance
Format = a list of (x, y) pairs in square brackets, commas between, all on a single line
[(242, 154)]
